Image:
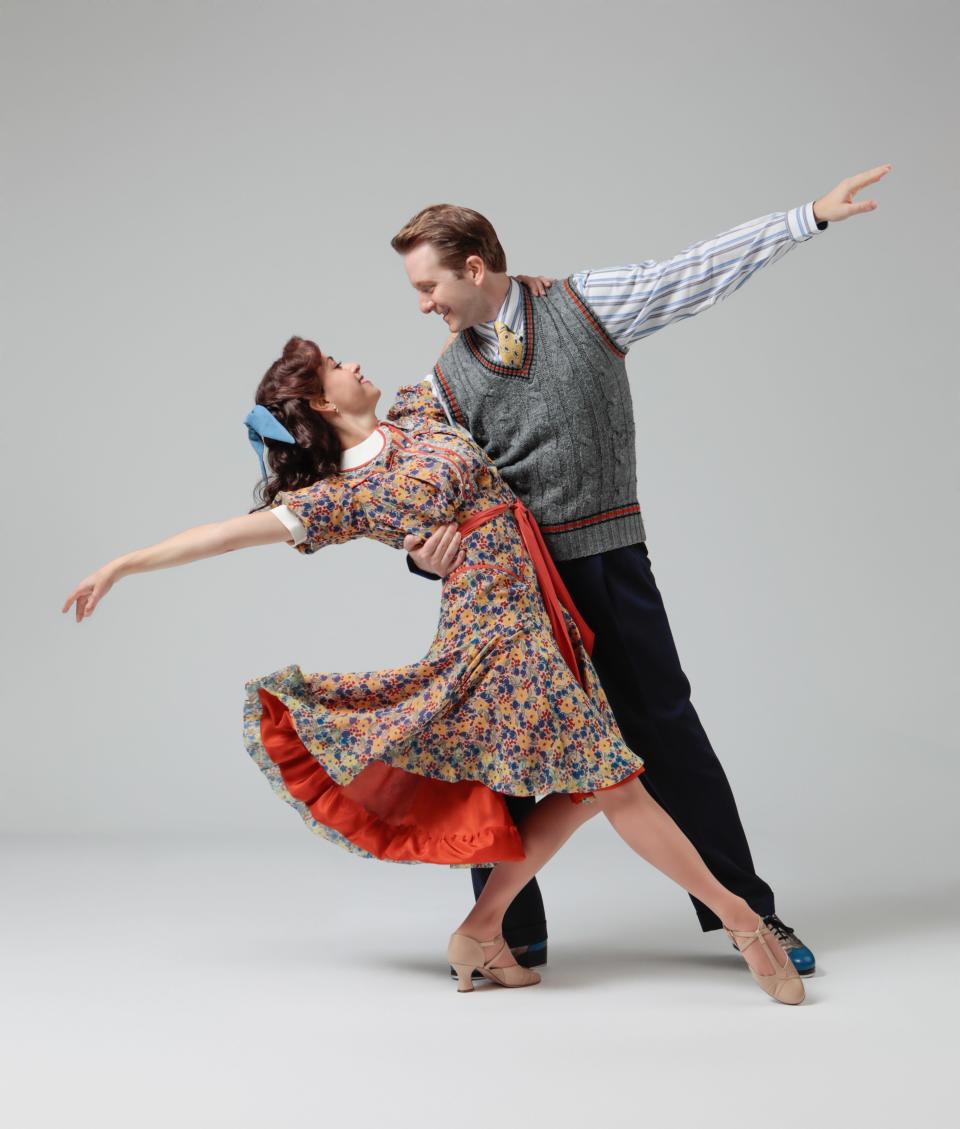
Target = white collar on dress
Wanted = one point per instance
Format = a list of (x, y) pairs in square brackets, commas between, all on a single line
[(363, 452)]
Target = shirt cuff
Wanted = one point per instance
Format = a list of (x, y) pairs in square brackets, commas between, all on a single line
[(801, 223), (419, 571), (293, 524)]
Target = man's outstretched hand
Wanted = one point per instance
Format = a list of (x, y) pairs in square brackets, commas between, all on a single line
[(838, 204), (440, 554)]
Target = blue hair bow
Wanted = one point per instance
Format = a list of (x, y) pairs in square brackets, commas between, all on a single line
[(261, 425)]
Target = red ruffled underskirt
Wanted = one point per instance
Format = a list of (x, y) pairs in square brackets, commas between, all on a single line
[(391, 813)]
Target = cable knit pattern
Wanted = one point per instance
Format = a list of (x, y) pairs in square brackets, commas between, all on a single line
[(560, 427)]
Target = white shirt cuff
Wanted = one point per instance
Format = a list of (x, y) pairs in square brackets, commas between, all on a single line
[(801, 223), (294, 526)]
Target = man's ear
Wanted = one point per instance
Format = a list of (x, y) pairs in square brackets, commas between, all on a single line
[(475, 269)]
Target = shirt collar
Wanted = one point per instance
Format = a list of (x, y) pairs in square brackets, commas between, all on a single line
[(364, 452), (511, 312)]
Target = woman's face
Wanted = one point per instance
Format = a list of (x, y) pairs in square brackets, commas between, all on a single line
[(345, 386)]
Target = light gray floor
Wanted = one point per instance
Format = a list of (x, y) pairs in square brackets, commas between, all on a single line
[(255, 983)]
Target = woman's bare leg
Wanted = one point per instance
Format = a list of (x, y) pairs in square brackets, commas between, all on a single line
[(544, 831), (643, 824)]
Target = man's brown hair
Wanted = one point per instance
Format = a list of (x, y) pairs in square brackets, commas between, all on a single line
[(456, 233)]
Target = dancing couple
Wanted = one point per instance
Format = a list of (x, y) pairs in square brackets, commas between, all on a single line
[(552, 690)]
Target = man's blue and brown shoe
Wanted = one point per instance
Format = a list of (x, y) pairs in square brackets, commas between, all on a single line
[(530, 956), (803, 959)]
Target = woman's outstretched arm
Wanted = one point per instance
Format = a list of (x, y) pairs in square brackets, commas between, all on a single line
[(260, 528)]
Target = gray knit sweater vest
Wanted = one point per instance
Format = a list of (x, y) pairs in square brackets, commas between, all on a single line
[(560, 428)]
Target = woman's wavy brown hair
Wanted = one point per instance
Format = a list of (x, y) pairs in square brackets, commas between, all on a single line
[(285, 391)]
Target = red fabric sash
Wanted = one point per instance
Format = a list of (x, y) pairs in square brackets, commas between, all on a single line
[(552, 588)]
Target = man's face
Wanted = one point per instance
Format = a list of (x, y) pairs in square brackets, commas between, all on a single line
[(454, 295)]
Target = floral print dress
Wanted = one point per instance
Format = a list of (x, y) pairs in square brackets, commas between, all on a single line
[(413, 764)]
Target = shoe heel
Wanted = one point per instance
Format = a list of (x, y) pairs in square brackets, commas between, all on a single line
[(464, 977)]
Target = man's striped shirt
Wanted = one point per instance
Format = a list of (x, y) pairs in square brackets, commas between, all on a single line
[(633, 301)]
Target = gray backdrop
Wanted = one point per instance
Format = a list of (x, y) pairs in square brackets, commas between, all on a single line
[(187, 184)]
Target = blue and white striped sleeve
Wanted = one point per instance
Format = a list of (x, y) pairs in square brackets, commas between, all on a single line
[(634, 301)]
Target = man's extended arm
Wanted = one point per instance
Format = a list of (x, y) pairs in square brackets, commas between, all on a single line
[(636, 300)]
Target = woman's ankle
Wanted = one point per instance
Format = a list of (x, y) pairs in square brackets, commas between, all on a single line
[(481, 928), (737, 914)]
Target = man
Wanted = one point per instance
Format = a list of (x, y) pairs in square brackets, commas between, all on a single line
[(542, 386)]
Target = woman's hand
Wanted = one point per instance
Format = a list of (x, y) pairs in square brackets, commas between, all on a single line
[(88, 593), (539, 284)]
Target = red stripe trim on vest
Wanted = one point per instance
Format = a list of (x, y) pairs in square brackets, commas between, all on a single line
[(592, 322), (447, 391), (593, 519)]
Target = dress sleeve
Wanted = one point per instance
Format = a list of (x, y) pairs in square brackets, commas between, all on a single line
[(329, 512), (417, 403)]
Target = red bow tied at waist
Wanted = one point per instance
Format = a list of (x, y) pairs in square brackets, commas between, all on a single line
[(552, 588)]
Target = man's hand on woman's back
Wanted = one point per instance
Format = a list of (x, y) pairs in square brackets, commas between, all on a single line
[(440, 554)]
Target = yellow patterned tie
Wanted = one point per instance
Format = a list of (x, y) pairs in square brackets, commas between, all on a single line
[(511, 348)]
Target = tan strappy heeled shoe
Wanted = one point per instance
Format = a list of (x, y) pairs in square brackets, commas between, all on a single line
[(784, 983), (466, 954)]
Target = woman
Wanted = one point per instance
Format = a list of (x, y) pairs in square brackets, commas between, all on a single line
[(413, 764)]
